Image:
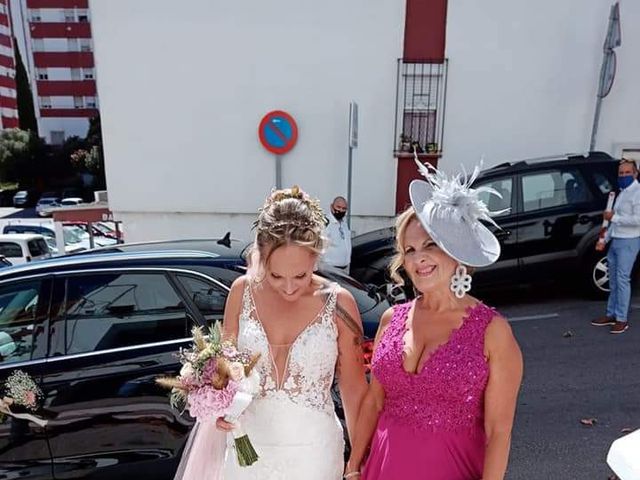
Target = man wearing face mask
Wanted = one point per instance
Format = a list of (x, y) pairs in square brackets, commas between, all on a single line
[(624, 237), (338, 252)]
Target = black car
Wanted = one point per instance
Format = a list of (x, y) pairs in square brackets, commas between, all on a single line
[(95, 331), (550, 232)]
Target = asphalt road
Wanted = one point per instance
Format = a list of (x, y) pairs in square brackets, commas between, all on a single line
[(573, 371)]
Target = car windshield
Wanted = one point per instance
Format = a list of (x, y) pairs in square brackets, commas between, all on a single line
[(73, 235), (46, 201), (21, 193)]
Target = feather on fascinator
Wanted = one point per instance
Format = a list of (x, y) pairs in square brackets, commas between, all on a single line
[(451, 212)]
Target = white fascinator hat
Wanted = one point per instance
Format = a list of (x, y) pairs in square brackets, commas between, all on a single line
[(451, 213)]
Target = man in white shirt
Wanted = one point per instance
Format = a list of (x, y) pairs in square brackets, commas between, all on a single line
[(338, 252), (624, 236)]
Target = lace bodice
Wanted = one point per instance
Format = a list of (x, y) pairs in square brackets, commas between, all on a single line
[(448, 393), (311, 360)]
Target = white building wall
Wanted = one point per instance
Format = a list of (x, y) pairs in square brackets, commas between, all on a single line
[(523, 78), (180, 112)]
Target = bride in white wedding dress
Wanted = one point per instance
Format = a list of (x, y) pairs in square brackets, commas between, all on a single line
[(306, 330)]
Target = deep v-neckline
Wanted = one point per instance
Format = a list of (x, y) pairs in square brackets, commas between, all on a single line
[(454, 332), (280, 381)]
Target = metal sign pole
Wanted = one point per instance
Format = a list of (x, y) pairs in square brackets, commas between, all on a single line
[(608, 68), (353, 143), (278, 172)]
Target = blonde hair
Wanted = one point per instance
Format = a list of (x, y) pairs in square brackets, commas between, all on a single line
[(629, 161), (397, 262), (288, 217)]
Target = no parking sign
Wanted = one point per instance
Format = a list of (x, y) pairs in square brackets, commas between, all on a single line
[(278, 132)]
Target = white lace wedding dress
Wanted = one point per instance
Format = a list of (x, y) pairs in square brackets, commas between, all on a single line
[(292, 423)]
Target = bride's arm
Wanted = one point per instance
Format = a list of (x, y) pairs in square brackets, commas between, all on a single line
[(350, 366), (232, 309), (370, 409)]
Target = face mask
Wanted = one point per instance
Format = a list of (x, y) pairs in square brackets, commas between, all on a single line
[(625, 181), (339, 215)]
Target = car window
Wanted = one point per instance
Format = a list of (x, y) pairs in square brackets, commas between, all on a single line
[(602, 182), (18, 305), (553, 188), (37, 247), (504, 186), (10, 250), (110, 310), (208, 297)]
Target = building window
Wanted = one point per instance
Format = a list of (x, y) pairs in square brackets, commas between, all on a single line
[(83, 17), (42, 74), (78, 102), (34, 15), (88, 73), (420, 94), (69, 16), (45, 102), (38, 44), (75, 74), (72, 44), (90, 102), (85, 45), (57, 137)]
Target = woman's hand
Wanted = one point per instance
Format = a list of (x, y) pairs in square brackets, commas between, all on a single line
[(224, 426)]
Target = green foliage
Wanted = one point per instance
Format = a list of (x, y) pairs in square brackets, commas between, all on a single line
[(20, 154), (24, 96)]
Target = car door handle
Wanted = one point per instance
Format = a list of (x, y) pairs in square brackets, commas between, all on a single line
[(503, 234), (584, 219)]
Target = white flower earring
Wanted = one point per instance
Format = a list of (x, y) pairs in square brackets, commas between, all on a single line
[(460, 281)]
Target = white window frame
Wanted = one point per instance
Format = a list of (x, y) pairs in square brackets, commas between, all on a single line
[(45, 102), (78, 102)]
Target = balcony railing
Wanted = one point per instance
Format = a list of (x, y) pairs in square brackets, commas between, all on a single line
[(420, 107)]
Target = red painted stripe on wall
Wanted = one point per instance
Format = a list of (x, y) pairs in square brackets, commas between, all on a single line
[(5, 40), (8, 102), (58, 3), (425, 30), (69, 112), (6, 61), (60, 30), (4, 19), (10, 122), (69, 88), (8, 82), (63, 59)]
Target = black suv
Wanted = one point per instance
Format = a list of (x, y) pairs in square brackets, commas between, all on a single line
[(94, 331), (549, 233)]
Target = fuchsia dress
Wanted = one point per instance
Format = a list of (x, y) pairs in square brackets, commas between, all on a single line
[(432, 423)]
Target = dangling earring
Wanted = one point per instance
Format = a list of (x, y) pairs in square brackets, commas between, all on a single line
[(460, 282)]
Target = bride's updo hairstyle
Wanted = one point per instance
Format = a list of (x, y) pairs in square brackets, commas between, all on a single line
[(288, 217)]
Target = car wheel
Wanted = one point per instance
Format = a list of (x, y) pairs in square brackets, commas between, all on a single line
[(597, 276)]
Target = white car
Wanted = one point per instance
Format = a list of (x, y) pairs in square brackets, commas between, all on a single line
[(45, 204), (23, 247), (70, 202)]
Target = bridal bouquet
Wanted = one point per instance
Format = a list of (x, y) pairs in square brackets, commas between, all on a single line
[(216, 380), (21, 394)]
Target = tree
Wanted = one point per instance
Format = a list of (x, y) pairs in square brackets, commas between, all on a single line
[(19, 154), (24, 97), (90, 157)]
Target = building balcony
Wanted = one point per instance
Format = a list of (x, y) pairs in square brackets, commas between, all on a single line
[(68, 88), (63, 59), (60, 30), (58, 4), (68, 112)]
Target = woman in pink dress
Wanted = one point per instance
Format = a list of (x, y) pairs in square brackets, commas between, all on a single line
[(446, 367)]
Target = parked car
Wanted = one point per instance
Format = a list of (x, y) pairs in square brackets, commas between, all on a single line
[(95, 330), (99, 229), (549, 233), (71, 201), (45, 204), (23, 198), (74, 237), (20, 248)]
